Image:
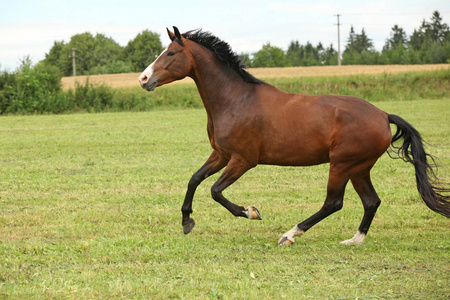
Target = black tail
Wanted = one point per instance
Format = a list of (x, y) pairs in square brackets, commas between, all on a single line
[(412, 151)]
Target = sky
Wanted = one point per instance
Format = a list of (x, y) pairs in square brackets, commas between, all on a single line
[(29, 28)]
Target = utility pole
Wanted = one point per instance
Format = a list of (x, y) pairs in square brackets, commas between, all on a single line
[(73, 62), (339, 40)]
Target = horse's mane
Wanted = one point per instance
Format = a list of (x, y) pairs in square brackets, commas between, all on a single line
[(222, 51)]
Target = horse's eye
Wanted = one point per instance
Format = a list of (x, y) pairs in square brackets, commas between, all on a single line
[(170, 54)]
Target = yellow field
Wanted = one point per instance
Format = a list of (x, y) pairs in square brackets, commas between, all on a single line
[(131, 79)]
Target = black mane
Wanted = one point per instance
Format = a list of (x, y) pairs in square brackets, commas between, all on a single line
[(223, 52)]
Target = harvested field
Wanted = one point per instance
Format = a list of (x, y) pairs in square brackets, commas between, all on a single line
[(131, 79)]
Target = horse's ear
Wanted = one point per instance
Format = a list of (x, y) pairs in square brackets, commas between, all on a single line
[(178, 36), (171, 34), (177, 32)]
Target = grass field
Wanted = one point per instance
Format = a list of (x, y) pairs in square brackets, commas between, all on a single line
[(131, 79), (90, 208)]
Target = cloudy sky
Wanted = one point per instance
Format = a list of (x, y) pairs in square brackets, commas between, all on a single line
[(29, 27)]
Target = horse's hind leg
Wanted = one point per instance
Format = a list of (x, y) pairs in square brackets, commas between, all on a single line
[(363, 186), (333, 202)]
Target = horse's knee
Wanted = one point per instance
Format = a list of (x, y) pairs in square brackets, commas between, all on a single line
[(333, 206), (216, 194), (372, 204), (237, 211), (337, 205), (194, 182)]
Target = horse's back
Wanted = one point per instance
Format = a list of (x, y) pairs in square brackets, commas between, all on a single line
[(310, 129)]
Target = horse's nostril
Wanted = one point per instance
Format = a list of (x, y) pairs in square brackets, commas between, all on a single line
[(143, 79)]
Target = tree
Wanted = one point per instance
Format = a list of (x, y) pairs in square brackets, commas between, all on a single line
[(351, 41), (105, 51), (52, 57), (269, 56), (437, 30), (359, 49), (99, 54), (320, 51), (417, 38), (350, 55), (362, 42), (397, 39), (92, 51), (294, 54), (430, 31), (311, 55), (329, 56), (430, 41), (358, 42), (395, 49), (307, 55), (142, 50)]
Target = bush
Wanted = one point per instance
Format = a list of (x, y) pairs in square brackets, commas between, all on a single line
[(90, 98), (29, 89), (32, 90)]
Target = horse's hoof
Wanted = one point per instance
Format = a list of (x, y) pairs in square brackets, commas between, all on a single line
[(284, 241), (253, 213), (188, 225), (358, 239)]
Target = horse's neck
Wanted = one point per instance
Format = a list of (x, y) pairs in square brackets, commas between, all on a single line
[(216, 83)]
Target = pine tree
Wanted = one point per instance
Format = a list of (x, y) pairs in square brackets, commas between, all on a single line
[(359, 49), (437, 30), (398, 39)]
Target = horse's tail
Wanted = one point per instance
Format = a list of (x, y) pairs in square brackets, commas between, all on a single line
[(412, 151)]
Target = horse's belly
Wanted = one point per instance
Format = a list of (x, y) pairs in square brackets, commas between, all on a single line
[(294, 155)]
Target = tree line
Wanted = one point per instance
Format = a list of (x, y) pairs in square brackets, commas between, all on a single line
[(429, 44), (100, 54)]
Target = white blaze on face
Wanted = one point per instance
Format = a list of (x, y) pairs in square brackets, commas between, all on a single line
[(148, 72)]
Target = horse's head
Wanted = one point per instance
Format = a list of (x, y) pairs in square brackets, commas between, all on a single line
[(172, 64)]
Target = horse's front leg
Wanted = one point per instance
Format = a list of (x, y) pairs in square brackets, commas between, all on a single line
[(236, 167), (213, 165)]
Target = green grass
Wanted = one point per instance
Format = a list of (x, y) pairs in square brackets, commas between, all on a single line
[(90, 208), (374, 88)]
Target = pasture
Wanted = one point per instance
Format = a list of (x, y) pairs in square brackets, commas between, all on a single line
[(90, 208)]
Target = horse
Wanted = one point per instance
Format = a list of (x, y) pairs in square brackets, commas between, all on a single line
[(250, 122)]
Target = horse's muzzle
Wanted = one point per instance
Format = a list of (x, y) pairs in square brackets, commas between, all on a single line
[(149, 84)]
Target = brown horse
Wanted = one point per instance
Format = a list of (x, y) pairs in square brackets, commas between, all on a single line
[(251, 122)]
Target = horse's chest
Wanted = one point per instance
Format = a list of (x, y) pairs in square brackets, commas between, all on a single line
[(224, 139)]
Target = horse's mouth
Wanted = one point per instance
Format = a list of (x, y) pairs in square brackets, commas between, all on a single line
[(149, 86)]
